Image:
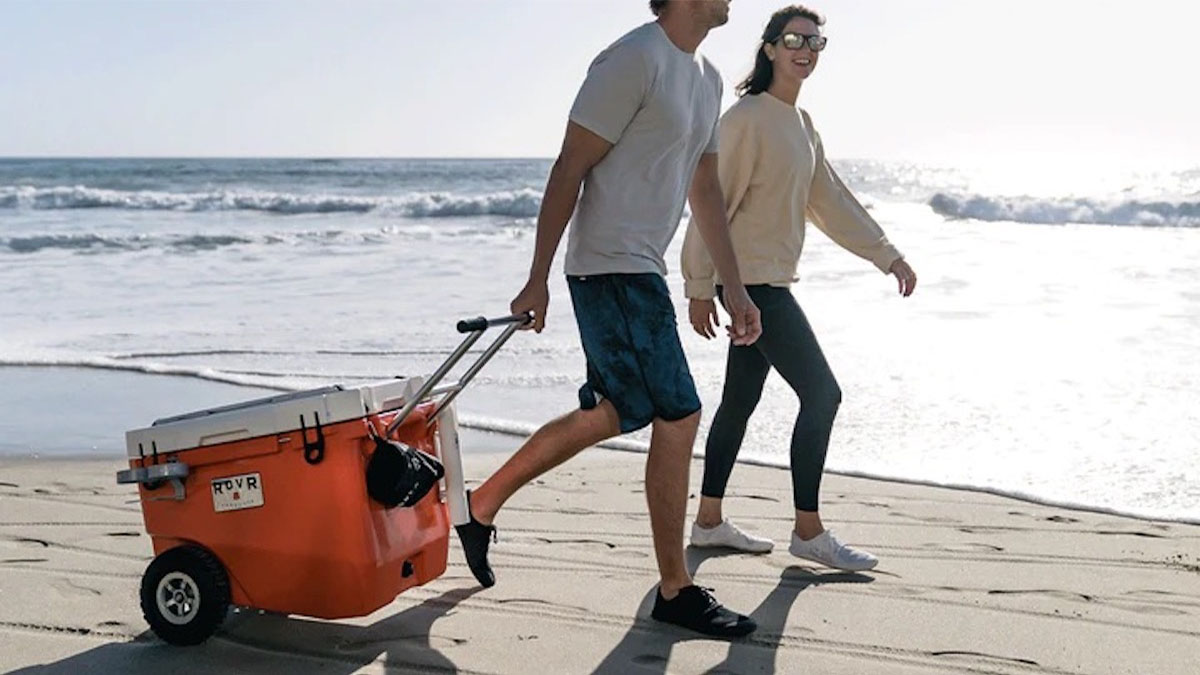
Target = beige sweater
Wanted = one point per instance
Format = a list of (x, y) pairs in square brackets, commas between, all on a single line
[(774, 173)]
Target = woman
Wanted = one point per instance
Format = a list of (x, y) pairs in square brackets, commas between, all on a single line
[(773, 174)]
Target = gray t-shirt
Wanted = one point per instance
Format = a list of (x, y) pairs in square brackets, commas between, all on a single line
[(659, 107)]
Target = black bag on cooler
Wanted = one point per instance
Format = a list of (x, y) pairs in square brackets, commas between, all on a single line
[(399, 475)]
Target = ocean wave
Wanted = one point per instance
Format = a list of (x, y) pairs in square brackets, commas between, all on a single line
[(87, 242), (68, 241), (515, 204), (94, 242), (110, 364), (523, 203), (1055, 211)]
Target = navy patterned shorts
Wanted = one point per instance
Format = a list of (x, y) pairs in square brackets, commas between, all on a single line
[(634, 359)]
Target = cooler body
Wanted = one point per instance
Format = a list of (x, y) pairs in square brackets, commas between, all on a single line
[(276, 490)]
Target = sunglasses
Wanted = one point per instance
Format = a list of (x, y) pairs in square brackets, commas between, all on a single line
[(796, 41)]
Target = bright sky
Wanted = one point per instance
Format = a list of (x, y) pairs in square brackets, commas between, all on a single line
[(926, 80)]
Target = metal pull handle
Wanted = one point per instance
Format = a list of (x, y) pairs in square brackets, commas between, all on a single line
[(474, 329), (480, 323)]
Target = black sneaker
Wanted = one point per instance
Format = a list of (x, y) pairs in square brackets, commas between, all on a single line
[(696, 609), (475, 538)]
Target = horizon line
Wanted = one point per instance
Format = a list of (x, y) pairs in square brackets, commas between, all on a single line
[(307, 157)]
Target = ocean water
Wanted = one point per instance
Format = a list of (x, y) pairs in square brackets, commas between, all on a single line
[(1049, 352)]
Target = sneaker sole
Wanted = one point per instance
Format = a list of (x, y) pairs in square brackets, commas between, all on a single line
[(694, 544), (866, 568), (738, 633)]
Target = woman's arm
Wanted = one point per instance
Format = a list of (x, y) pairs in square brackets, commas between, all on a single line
[(837, 213)]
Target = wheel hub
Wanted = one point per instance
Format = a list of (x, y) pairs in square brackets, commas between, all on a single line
[(178, 598)]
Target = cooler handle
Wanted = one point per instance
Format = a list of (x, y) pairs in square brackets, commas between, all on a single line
[(480, 323), (474, 329)]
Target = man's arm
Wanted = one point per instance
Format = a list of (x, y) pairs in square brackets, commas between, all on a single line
[(708, 210), (581, 150)]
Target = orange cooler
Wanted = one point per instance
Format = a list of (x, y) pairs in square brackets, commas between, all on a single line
[(264, 504)]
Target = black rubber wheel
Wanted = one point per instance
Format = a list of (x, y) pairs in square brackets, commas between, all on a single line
[(185, 595)]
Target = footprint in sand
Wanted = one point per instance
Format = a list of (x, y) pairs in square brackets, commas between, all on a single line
[(924, 519), (1116, 525), (1162, 595), (984, 529), (28, 541), (749, 496), (421, 639), (544, 603), (1063, 595), (596, 542), (1151, 610), (1083, 597), (611, 548), (565, 490), (70, 588), (1148, 535), (986, 657), (901, 591), (968, 547)]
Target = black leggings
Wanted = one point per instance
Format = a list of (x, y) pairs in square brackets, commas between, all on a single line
[(788, 344)]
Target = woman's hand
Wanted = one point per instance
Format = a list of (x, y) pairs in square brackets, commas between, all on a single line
[(703, 316), (905, 276)]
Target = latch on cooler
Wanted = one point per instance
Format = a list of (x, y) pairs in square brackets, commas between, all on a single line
[(313, 452)]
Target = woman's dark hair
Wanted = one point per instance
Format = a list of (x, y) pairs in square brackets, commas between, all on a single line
[(760, 78), (656, 6)]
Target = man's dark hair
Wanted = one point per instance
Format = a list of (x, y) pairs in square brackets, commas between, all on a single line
[(656, 6)]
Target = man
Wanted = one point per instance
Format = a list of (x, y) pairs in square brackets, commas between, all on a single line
[(642, 137)]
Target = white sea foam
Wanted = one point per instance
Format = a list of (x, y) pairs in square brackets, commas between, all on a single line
[(1181, 213), (522, 203)]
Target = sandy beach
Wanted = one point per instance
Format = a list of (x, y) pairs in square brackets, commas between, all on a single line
[(968, 582)]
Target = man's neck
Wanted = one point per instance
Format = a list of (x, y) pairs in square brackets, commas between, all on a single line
[(681, 30)]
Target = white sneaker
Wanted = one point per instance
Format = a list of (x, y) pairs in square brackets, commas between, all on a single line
[(728, 535), (827, 550)]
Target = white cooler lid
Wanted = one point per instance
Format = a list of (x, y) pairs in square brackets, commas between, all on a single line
[(269, 416)]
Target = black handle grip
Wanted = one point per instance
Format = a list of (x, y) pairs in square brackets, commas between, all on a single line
[(483, 323)]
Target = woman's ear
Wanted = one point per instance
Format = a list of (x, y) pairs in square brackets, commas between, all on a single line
[(769, 50)]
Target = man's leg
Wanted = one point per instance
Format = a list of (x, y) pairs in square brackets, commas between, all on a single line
[(680, 601), (554, 443), (667, 470)]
